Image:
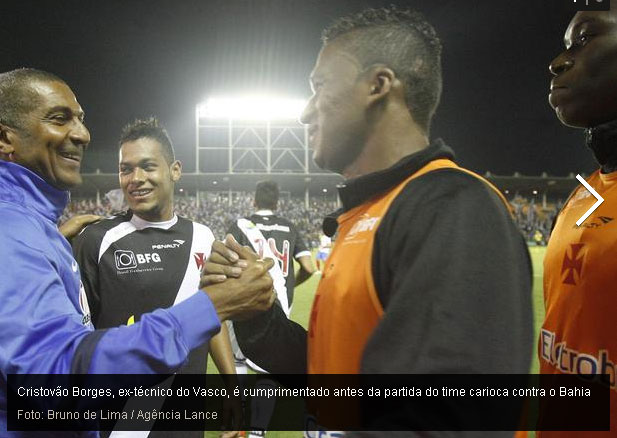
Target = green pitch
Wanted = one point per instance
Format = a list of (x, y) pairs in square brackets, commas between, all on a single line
[(303, 298), (537, 256)]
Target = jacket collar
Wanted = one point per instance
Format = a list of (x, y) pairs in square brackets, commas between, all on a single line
[(602, 140), (19, 185), (356, 191)]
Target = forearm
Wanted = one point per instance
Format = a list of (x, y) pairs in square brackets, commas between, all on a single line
[(221, 352), (302, 275), (306, 270), (159, 343)]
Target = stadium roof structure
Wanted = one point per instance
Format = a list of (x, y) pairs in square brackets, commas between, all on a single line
[(298, 184), (552, 186)]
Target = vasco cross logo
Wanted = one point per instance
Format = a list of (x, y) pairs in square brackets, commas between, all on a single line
[(572, 264), (199, 259)]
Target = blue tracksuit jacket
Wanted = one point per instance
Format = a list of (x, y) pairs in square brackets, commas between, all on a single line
[(45, 323)]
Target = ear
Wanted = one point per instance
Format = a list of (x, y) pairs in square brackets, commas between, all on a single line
[(381, 81), (175, 170), (7, 140)]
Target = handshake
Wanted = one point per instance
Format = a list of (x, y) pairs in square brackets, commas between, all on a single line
[(237, 280)]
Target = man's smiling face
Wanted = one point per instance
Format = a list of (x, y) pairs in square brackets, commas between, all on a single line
[(54, 137)]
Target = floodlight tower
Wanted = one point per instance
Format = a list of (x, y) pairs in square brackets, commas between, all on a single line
[(252, 134), (255, 134)]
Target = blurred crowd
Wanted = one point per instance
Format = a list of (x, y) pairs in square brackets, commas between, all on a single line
[(218, 211), (534, 219)]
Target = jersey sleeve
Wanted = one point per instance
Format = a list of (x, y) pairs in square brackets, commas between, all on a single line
[(86, 251), (159, 343), (283, 335), (240, 237), (454, 277), (301, 249), (41, 330)]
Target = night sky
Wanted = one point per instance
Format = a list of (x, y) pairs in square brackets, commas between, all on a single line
[(127, 59)]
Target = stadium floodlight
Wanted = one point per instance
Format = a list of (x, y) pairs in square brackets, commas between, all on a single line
[(256, 107)]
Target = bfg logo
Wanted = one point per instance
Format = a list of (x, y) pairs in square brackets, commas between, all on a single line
[(125, 260), (129, 260)]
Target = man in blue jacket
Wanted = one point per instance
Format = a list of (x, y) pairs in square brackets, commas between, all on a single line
[(45, 322)]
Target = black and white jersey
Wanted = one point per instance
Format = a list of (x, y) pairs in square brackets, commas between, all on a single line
[(273, 236), (130, 267), (283, 239)]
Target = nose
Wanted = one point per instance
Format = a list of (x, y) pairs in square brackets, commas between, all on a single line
[(80, 134), (308, 112), (562, 63), (138, 175)]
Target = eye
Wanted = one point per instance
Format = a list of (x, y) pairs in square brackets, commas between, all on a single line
[(125, 170), (60, 118), (582, 39), (317, 85)]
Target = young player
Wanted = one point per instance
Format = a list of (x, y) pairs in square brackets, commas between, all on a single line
[(409, 286), (325, 245), (270, 235), (578, 333), (148, 257)]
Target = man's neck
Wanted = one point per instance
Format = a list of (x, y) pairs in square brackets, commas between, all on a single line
[(391, 141), (155, 216), (602, 140), (142, 222)]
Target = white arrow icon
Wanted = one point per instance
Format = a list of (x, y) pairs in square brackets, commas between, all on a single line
[(599, 201)]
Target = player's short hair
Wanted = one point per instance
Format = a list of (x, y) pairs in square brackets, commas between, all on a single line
[(267, 195), (404, 41), (17, 97), (149, 128)]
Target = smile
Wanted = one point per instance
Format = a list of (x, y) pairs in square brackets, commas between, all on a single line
[(141, 193), (312, 133), (76, 158)]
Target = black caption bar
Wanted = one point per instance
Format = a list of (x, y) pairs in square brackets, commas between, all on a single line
[(332, 402)]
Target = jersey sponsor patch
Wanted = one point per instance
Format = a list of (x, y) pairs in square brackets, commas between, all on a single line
[(127, 260), (595, 222), (176, 244), (571, 361), (365, 223)]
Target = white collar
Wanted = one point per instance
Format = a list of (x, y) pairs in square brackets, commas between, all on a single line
[(264, 212), (140, 223)]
